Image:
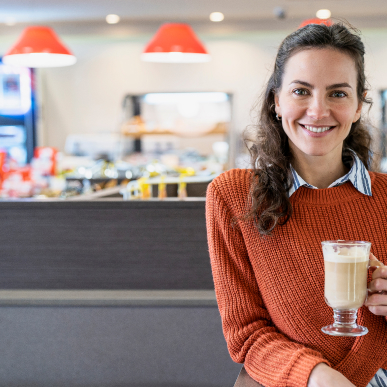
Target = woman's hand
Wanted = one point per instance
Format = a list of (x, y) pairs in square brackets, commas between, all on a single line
[(377, 299), (324, 376)]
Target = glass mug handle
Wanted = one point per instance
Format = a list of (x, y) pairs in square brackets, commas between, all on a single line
[(375, 263)]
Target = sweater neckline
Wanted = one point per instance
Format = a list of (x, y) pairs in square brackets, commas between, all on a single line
[(328, 196)]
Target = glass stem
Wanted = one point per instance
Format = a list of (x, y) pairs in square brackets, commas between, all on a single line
[(345, 318)]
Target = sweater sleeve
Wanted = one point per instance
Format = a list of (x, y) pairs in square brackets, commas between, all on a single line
[(268, 356)]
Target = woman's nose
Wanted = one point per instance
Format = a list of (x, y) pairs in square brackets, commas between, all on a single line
[(318, 108)]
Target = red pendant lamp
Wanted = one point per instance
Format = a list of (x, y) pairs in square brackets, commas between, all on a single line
[(175, 43), (39, 47), (327, 22)]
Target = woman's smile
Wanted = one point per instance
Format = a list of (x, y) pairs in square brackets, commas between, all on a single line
[(317, 131)]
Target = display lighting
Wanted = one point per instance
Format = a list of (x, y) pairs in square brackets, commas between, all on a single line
[(327, 22), (216, 16), (10, 21), (39, 47), (323, 14), (175, 43), (112, 19)]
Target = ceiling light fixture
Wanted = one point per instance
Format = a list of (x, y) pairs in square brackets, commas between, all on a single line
[(327, 22), (216, 16), (112, 19), (39, 47), (175, 43), (323, 14)]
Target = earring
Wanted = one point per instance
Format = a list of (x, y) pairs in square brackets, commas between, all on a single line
[(278, 117)]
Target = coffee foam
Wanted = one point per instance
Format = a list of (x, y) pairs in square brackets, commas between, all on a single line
[(345, 254)]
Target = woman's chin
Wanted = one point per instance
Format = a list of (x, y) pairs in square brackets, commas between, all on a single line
[(316, 152)]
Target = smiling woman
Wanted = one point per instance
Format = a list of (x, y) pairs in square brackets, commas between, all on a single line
[(318, 82), (310, 183)]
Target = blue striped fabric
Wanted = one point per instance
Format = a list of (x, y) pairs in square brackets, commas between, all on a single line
[(358, 176), (379, 380)]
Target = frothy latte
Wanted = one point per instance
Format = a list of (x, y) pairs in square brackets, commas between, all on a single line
[(345, 277)]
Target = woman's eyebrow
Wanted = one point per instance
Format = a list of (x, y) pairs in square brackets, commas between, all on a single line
[(338, 85), (330, 87)]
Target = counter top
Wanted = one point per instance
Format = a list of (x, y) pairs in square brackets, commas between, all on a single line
[(60, 202), (176, 298)]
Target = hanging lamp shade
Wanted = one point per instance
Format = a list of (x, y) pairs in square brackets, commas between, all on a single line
[(39, 47), (175, 43), (327, 22)]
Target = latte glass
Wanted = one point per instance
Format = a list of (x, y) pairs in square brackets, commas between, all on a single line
[(346, 265)]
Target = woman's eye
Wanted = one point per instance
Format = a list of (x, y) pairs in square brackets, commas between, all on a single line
[(339, 94), (300, 92)]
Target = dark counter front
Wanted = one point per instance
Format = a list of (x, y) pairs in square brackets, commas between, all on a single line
[(113, 245), (109, 293)]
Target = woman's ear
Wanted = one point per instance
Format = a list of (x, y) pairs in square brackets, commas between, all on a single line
[(277, 105), (359, 107)]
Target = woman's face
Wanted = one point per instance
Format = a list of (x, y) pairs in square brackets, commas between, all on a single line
[(318, 101)]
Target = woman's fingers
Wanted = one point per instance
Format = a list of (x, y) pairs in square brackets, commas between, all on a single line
[(374, 262), (377, 304), (378, 310), (377, 301), (380, 272), (378, 285)]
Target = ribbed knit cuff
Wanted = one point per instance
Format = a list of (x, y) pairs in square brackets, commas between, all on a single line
[(302, 367)]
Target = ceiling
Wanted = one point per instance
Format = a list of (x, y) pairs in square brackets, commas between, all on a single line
[(83, 16)]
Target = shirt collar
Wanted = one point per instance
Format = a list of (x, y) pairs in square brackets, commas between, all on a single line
[(358, 176)]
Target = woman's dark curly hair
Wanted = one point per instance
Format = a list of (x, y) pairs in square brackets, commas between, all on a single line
[(270, 152)]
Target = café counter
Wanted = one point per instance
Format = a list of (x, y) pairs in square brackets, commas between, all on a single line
[(107, 244), (109, 293)]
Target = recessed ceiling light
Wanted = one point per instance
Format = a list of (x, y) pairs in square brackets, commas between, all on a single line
[(112, 19), (279, 12), (216, 16), (10, 21), (323, 13)]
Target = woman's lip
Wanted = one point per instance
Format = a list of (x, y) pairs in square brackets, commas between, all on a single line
[(313, 134)]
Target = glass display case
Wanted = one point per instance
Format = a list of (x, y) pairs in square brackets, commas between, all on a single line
[(172, 122)]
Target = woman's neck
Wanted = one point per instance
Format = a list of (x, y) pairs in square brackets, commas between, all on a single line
[(319, 171)]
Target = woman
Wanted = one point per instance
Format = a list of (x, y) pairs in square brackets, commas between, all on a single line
[(310, 183)]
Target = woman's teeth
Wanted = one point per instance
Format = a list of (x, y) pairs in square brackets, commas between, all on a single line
[(317, 130)]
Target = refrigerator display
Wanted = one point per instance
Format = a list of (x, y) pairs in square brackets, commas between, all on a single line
[(17, 118)]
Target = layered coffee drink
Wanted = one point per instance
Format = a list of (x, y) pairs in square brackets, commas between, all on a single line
[(345, 277), (346, 264)]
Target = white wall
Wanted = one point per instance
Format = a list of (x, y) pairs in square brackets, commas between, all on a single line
[(87, 97)]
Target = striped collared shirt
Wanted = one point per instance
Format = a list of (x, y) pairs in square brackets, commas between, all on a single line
[(379, 380), (358, 176)]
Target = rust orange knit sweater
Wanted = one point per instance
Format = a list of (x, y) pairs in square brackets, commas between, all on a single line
[(270, 291)]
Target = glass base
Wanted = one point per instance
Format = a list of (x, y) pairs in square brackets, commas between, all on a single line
[(345, 324), (333, 330)]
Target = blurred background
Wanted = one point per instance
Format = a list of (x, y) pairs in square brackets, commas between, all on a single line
[(114, 117), (112, 114)]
